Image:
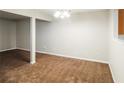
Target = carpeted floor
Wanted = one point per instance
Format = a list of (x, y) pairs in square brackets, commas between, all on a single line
[(15, 67)]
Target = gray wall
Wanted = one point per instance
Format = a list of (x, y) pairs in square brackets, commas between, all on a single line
[(81, 36), (23, 34), (7, 34)]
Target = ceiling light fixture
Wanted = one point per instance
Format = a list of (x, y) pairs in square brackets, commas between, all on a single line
[(62, 14), (57, 14)]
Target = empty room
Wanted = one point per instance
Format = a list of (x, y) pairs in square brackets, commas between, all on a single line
[(61, 45)]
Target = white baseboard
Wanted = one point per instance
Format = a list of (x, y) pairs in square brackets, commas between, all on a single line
[(113, 76), (23, 49), (7, 49), (92, 60)]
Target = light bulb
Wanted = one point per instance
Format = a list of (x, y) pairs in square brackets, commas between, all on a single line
[(62, 16), (66, 14), (57, 14)]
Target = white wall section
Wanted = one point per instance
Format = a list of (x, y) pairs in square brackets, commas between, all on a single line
[(23, 34), (116, 49), (7, 34), (81, 36)]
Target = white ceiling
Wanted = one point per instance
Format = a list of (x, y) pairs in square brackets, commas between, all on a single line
[(11, 16), (49, 12)]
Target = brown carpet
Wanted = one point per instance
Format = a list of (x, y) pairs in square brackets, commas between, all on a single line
[(14, 67)]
